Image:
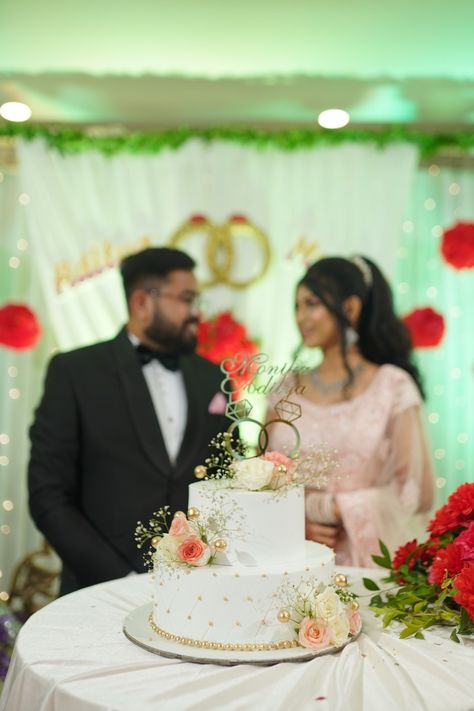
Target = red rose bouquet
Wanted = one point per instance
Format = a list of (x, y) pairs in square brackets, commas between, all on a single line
[(434, 580)]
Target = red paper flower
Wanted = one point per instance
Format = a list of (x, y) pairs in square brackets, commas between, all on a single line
[(223, 337), (426, 327), (19, 327), (457, 245), (449, 561), (456, 513), (465, 587)]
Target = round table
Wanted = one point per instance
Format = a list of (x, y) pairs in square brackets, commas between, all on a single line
[(73, 656)]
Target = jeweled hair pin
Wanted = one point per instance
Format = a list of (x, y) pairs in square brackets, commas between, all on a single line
[(364, 269)]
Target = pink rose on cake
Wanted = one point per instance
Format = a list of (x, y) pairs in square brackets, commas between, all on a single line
[(314, 633), (193, 551), (355, 621), (180, 526), (252, 474), (283, 468)]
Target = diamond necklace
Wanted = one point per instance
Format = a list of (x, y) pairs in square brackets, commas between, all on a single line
[(336, 385)]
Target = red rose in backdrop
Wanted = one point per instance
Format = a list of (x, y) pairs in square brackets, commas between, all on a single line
[(457, 245), (19, 327), (426, 327), (223, 337), (458, 512)]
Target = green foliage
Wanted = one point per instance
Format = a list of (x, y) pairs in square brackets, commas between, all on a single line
[(415, 603), (71, 140)]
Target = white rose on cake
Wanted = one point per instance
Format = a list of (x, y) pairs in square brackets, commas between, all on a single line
[(252, 474), (327, 605)]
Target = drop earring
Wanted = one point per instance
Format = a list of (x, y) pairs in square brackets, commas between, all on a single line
[(351, 336)]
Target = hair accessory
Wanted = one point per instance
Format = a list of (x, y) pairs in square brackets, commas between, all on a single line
[(364, 269)]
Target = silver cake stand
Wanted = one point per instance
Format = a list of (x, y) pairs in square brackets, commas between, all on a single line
[(137, 629)]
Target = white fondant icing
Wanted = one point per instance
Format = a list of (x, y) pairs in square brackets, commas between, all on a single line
[(234, 605), (267, 526)]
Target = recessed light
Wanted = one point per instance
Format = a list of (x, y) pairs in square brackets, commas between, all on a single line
[(15, 111), (333, 118)]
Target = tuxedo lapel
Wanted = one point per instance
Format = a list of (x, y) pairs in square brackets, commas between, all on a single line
[(140, 402)]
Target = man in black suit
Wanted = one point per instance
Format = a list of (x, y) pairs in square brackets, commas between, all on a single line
[(123, 423)]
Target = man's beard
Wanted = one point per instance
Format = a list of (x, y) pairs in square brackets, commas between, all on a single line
[(173, 339)]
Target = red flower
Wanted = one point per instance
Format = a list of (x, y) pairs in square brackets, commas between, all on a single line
[(465, 586), (457, 246), (223, 337), (458, 512), (465, 541), (426, 327), (405, 555), (19, 327), (449, 561)]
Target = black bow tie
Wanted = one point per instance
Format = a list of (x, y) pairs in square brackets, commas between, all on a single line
[(146, 355)]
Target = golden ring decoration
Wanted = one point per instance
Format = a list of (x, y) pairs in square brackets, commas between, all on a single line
[(220, 247), (262, 446)]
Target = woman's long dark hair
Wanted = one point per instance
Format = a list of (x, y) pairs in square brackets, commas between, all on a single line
[(383, 338)]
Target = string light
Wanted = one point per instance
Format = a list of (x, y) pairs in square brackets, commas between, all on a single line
[(408, 226), (1, 177), (14, 393), (437, 231), (440, 453), (440, 482), (403, 287), (12, 371), (433, 417), (4, 596), (459, 464), (434, 169), (462, 437), (454, 189), (5, 529), (4, 461), (429, 204), (432, 292), (24, 199), (14, 262), (22, 245), (4, 438), (7, 505), (439, 389)]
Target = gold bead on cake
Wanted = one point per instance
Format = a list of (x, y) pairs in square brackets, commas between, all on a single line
[(155, 541), (220, 545), (340, 580), (283, 616), (179, 513), (200, 471), (193, 513)]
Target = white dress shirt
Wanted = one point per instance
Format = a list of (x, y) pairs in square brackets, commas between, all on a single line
[(169, 400)]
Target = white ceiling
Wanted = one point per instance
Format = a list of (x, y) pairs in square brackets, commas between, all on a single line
[(151, 63)]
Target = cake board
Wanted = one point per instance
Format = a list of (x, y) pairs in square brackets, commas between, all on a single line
[(137, 629)]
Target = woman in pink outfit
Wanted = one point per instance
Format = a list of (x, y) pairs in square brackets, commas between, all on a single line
[(364, 402)]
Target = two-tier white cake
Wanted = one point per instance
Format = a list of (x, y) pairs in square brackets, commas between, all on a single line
[(235, 603)]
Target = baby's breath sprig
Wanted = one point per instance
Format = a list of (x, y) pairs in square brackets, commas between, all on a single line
[(218, 465), (157, 526)]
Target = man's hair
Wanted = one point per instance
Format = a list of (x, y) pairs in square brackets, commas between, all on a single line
[(154, 262)]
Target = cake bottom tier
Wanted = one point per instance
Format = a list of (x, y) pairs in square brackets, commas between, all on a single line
[(226, 607)]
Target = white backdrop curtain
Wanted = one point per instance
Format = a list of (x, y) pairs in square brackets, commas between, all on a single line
[(350, 199)]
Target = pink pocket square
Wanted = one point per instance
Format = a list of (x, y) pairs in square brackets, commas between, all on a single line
[(218, 404)]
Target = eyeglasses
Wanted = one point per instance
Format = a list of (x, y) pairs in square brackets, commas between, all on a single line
[(190, 299)]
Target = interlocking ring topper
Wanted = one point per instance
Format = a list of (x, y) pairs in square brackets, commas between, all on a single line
[(219, 252), (239, 410)]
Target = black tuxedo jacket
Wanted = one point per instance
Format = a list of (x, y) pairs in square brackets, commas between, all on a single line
[(98, 461)]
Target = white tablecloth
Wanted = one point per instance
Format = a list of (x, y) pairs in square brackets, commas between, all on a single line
[(73, 656)]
